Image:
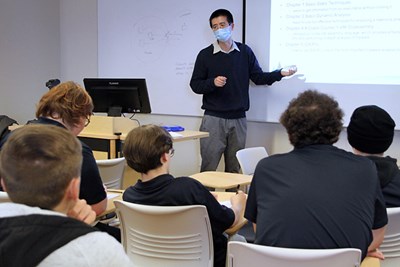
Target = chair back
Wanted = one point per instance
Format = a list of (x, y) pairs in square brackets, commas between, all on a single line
[(245, 254), (4, 197), (390, 246), (112, 172), (163, 236), (249, 157)]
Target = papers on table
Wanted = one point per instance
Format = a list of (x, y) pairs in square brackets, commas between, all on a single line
[(112, 195), (175, 135), (226, 203)]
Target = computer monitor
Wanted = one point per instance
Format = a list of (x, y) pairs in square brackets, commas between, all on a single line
[(118, 95)]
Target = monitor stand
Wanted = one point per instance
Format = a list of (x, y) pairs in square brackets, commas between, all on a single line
[(114, 112)]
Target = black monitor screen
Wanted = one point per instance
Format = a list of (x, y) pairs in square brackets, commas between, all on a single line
[(118, 95)]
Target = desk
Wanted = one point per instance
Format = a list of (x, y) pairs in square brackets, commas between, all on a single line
[(101, 142), (103, 133), (112, 143), (370, 262), (226, 196), (185, 135), (222, 180), (112, 194), (107, 134)]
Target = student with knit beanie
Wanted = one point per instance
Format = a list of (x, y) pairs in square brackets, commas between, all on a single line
[(370, 133)]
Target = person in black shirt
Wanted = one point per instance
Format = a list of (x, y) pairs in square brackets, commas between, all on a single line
[(68, 105), (148, 150), (316, 196), (370, 133)]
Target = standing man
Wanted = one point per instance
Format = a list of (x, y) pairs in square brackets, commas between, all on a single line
[(221, 74)]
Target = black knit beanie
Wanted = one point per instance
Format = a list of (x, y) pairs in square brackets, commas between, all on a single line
[(370, 130)]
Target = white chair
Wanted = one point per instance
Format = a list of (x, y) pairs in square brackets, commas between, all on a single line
[(112, 172), (390, 246), (249, 157), (163, 236), (245, 254), (4, 197)]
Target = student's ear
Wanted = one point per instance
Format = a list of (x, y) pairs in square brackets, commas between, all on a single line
[(164, 158), (232, 26), (73, 189)]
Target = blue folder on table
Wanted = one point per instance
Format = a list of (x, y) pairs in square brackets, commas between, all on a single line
[(173, 128)]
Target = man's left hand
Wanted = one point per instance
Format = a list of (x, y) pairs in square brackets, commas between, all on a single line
[(289, 70)]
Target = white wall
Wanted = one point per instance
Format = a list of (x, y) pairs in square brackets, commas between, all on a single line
[(31, 52), (78, 34)]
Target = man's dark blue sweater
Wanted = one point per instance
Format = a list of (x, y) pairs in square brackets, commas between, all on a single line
[(239, 67)]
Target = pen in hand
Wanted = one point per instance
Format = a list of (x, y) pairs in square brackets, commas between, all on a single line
[(237, 189)]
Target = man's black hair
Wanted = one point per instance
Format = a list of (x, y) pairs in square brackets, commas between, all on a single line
[(222, 12)]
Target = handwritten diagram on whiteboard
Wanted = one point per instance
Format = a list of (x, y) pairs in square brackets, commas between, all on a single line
[(159, 40), (151, 35)]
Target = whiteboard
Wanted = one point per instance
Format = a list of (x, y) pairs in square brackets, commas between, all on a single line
[(159, 40), (346, 81)]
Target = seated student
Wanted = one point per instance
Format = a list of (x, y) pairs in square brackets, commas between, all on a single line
[(317, 195), (69, 106), (40, 167), (370, 133), (148, 150)]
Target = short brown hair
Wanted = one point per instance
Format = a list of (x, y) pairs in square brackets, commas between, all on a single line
[(37, 164), (144, 146), (312, 118), (67, 101)]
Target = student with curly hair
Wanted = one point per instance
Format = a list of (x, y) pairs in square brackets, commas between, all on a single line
[(316, 196)]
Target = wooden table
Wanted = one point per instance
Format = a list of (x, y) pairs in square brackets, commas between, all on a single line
[(112, 143), (112, 194), (180, 136), (103, 133), (226, 196), (101, 142), (107, 134), (222, 180), (370, 262)]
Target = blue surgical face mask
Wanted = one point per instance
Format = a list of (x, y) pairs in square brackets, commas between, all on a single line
[(223, 34)]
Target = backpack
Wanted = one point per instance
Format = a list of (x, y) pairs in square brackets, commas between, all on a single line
[(5, 121)]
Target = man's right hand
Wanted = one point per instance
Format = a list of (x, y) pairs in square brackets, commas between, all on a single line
[(238, 202), (220, 81), (82, 212)]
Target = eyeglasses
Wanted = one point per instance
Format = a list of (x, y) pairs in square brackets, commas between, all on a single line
[(171, 152), (87, 121)]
